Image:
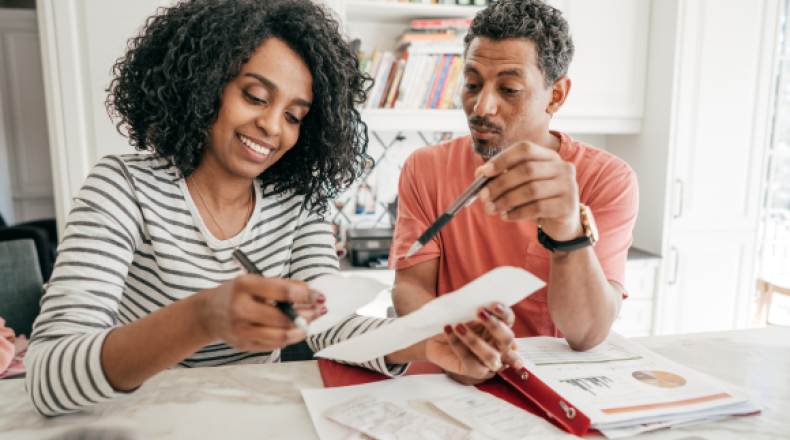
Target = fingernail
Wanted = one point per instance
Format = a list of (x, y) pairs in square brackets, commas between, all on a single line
[(523, 370), (484, 315), (488, 169), (460, 329), (448, 329), (324, 311), (490, 207), (499, 308), (321, 299), (484, 194), (503, 215)]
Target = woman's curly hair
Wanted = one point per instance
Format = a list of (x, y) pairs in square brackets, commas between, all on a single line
[(167, 89), (532, 20)]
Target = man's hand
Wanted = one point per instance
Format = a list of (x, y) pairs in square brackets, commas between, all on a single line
[(533, 182), (472, 353)]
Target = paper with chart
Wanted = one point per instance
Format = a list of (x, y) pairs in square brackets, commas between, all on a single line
[(620, 381), (507, 285), (384, 420), (497, 418), (344, 295)]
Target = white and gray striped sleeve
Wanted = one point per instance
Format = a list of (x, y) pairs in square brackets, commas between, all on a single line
[(348, 328), (80, 305), (313, 252)]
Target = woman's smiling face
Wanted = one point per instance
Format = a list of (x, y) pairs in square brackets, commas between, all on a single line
[(262, 109)]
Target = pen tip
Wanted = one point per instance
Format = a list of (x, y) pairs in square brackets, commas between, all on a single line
[(414, 248), (301, 323)]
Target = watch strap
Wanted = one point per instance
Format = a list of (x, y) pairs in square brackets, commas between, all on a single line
[(564, 246)]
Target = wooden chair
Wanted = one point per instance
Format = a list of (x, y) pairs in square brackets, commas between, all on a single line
[(766, 291)]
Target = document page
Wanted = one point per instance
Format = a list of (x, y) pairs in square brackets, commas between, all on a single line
[(384, 420), (622, 381), (507, 285), (344, 295), (496, 418)]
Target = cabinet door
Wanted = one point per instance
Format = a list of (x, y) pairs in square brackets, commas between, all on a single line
[(721, 117), (708, 282), (609, 63)]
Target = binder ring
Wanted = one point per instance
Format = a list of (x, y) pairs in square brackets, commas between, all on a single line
[(524, 375), (570, 411)]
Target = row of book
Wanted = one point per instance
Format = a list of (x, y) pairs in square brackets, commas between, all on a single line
[(427, 75), (416, 81), (444, 2)]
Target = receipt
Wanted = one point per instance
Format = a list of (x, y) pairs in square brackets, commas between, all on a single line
[(344, 295), (496, 418), (384, 420), (507, 285)]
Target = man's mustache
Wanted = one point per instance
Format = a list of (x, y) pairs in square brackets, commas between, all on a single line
[(484, 124)]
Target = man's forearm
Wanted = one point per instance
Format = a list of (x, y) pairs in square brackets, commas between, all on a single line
[(408, 297), (582, 303)]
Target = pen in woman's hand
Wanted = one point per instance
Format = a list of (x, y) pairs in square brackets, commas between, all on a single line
[(284, 307)]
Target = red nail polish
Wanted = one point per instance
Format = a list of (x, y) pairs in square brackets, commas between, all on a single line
[(460, 329), (523, 370), (321, 299), (448, 329), (499, 308), (484, 315), (324, 310)]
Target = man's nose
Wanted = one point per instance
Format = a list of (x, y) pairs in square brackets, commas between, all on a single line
[(486, 102)]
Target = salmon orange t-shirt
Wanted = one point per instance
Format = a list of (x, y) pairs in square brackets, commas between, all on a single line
[(475, 242)]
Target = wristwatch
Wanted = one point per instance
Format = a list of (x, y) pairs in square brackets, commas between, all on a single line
[(589, 238)]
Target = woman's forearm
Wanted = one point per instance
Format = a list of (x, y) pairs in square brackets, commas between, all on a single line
[(133, 353), (414, 353)]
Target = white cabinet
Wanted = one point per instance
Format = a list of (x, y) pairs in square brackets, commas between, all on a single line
[(717, 300), (700, 156), (25, 177)]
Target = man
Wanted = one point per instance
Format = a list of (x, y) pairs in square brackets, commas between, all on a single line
[(517, 55)]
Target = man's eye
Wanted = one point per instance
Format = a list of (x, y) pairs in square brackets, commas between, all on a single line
[(510, 91), (471, 86)]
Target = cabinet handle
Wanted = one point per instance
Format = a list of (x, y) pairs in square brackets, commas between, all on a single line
[(679, 183), (674, 279)]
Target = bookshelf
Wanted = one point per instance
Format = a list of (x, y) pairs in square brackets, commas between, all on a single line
[(402, 12)]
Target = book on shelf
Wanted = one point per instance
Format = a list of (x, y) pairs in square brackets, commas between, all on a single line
[(424, 73)]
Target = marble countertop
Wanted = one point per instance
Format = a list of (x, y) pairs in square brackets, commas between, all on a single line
[(264, 401)]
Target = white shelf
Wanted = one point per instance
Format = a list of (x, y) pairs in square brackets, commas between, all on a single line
[(415, 120), (455, 121), (389, 11)]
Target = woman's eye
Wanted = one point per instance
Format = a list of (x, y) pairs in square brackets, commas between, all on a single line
[(471, 86), (292, 119), (252, 98)]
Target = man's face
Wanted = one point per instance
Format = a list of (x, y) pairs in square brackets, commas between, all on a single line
[(504, 98)]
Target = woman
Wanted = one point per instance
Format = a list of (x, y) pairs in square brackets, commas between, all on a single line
[(248, 107)]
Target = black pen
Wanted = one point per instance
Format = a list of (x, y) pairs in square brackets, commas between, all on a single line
[(463, 200), (284, 307)]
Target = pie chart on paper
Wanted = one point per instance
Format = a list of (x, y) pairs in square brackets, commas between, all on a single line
[(659, 379)]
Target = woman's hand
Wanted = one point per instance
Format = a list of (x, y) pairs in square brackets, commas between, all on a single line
[(241, 312), (472, 353)]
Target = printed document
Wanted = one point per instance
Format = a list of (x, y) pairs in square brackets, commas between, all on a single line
[(620, 381), (507, 285), (344, 295)]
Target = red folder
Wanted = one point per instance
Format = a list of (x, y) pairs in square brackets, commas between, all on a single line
[(529, 393)]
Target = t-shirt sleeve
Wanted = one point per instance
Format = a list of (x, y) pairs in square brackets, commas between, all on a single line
[(415, 215), (614, 204), (313, 252)]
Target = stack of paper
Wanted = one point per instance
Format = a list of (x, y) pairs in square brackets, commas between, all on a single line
[(625, 389)]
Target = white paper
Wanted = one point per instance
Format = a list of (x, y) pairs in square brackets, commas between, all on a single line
[(398, 391), (385, 420), (620, 381), (496, 418), (344, 295), (507, 285)]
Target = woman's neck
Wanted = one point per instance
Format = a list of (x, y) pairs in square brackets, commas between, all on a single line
[(221, 189)]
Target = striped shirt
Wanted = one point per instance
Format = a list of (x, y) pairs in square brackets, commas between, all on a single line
[(134, 243)]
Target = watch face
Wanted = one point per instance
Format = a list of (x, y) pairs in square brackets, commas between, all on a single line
[(589, 224)]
